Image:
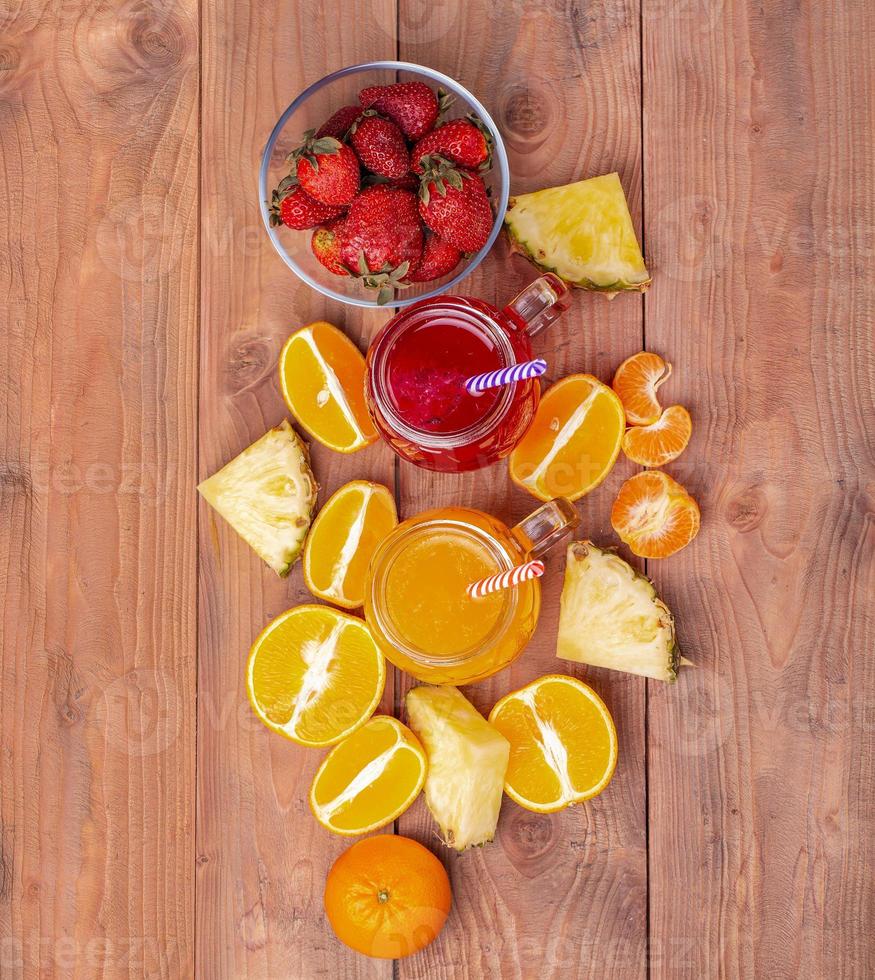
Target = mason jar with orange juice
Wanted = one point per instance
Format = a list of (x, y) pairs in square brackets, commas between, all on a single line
[(417, 602)]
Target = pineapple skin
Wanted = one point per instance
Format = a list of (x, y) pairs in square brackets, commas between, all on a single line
[(657, 657), (467, 763), (537, 257), (281, 541)]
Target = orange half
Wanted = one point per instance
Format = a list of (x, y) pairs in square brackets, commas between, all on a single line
[(660, 443), (315, 675), (654, 515), (563, 743), (636, 382), (322, 378), (573, 441)]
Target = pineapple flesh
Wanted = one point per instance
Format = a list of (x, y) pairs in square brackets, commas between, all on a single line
[(583, 232), (267, 494), (611, 616), (467, 762)]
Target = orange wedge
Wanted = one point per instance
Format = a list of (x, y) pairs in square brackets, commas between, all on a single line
[(343, 538), (654, 515), (660, 443), (322, 378), (369, 779), (573, 441), (636, 382), (563, 743), (315, 675)]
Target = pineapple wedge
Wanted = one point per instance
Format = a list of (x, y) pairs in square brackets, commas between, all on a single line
[(610, 616), (467, 761), (267, 494), (583, 232)]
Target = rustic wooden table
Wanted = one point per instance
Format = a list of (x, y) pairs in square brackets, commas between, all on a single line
[(150, 826)]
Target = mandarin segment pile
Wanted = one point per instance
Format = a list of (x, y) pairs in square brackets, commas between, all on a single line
[(655, 437), (392, 197), (653, 514)]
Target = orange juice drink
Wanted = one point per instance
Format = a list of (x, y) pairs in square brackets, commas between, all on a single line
[(417, 605)]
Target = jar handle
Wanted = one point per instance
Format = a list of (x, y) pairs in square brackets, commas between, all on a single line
[(540, 303), (546, 526)]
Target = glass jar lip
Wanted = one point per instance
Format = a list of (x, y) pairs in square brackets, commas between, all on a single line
[(439, 440), (381, 564)]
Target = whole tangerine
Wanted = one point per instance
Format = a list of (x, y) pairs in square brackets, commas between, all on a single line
[(387, 896)]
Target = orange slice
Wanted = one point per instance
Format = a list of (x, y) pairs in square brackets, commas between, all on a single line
[(563, 743), (369, 779), (573, 441), (636, 382), (343, 539), (322, 378), (660, 443), (315, 675), (654, 515)]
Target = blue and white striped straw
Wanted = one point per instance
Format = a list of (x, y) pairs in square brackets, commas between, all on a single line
[(523, 371)]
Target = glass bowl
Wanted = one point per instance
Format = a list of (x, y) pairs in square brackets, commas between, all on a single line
[(309, 110)]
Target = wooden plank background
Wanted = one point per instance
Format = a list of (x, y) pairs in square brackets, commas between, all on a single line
[(149, 826)]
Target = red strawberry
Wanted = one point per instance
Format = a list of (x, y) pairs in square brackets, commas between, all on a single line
[(462, 141), (296, 209), (438, 258), (381, 237), (339, 124), (325, 243), (326, 169), (453, 203), (380, 146), (412, 105)]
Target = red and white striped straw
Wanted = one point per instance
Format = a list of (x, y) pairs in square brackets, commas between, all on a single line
[(506, 580), (523, 371)]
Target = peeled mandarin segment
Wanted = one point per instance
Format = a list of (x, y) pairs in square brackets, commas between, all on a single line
[(654, 515), (563, 743), (369, 779), (636, 382), (343, 539), (660, 443), (573, 441), (315, 675), (322, 376)]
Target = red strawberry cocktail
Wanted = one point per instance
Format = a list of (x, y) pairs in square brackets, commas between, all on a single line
[(419, 362)]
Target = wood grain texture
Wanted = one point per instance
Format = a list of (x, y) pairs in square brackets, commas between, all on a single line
[(98, 305), (759, 216), (134, 844), (262, 858), (561, 895)]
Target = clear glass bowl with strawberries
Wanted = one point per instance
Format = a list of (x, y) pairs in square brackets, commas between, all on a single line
[(384, 183)]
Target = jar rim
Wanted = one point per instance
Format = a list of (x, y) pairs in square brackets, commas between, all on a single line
[(379, 356)]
